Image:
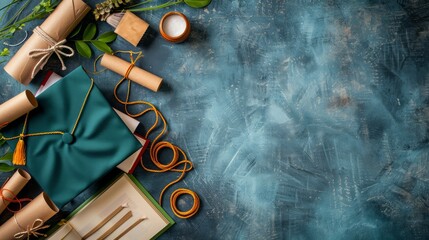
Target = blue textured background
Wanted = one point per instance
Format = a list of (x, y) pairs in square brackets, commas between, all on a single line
[(306, 119)]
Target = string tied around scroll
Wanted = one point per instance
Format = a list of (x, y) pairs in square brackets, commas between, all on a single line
[(44, 54), (32, 230), (127, 73), (13, 199)]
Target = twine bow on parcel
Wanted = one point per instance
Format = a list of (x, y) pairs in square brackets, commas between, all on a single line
[(31, 230), (45, 54)]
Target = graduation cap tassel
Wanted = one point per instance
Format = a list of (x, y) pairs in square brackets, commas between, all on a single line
[(19, 153), (19, 157)]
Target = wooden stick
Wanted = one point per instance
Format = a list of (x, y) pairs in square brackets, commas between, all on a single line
[(130, 228), (70, 230), (116, 226), (105, 220)]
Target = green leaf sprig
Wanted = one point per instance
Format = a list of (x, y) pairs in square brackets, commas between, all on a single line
[(191, 3), (88, 36), (105, 8), (6, 160), (17, 21), (5, 52)]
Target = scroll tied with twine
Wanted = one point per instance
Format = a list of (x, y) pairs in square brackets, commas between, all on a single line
[(47, 39), (10, 189), (29, 221), (131, 71), (45, 53)]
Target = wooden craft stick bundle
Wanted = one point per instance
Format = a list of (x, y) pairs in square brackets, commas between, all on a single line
[(41, 208), (138, 75), (13, 186), (57, 27), (17, 107)]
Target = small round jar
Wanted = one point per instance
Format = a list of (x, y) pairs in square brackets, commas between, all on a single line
[(175, 27)]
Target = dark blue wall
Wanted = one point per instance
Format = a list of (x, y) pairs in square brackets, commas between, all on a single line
[(306, 119)]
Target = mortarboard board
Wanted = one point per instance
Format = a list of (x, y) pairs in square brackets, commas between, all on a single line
[(130, 163), (94, 138)]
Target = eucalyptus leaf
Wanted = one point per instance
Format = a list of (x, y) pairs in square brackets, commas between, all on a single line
[(198, 3), (75, 31), (107, 37), (83, 49), (89, 32), (101, 46), (7, 156), (6, 167)]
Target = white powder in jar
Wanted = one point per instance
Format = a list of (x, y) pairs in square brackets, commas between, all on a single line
[(174, 25)]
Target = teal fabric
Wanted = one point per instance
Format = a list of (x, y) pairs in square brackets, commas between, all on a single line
[(62, 167)]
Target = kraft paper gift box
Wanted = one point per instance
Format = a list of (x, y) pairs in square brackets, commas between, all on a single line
[(66, 164)]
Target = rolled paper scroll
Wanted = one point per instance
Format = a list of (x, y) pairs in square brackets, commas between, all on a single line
[(41, 44), (138, 75), (13, 186), (17, 107), (41, 208)]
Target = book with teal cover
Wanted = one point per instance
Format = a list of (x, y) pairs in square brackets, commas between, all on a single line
[(94, 138), (126, 189)]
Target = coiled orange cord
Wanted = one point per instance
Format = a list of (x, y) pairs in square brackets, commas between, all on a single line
[(157, 146), (184, 214)]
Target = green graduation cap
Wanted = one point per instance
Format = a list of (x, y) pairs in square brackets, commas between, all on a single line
[(73, 138)]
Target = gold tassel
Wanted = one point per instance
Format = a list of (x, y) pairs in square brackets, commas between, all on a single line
[(19, 153)]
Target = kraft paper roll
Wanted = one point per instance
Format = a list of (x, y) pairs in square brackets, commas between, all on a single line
[(40, 208), (138, 75), (18, 180), (17, 107), (58, 26)]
